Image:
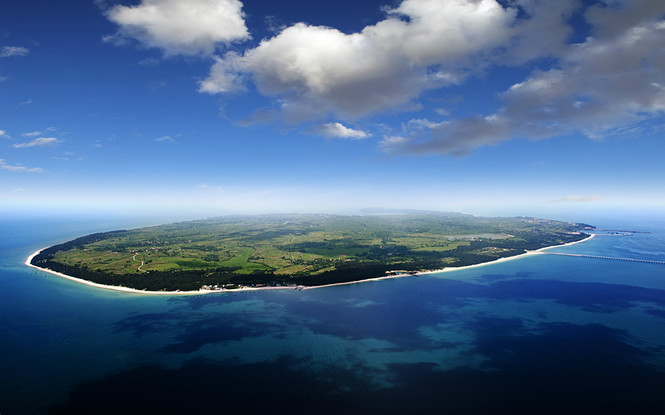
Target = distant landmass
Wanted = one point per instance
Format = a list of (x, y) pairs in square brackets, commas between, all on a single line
[(297, 250)]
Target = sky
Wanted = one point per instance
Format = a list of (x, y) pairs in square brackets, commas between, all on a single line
[(207, 107)]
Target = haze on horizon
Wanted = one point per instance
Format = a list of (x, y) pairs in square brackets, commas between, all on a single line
[(208, 107)]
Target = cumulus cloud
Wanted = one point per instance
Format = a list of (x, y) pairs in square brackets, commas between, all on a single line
[(226, 75), (316, 70), (38, 142), (181, 27), (543, 31), (607, 81), (339, 130), (19, 169), (612, 80), (8, 51)]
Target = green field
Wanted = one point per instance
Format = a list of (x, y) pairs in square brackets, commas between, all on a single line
[(297, 249)]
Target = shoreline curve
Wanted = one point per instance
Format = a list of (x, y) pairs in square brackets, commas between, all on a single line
[(28, 262)]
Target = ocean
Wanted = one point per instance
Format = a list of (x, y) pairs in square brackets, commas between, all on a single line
[(544, 334)]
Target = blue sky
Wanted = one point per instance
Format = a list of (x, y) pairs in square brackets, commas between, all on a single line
[(208, 107)]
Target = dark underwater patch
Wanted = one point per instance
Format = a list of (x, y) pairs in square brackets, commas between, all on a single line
[(195, 331), (564, 369), (396, 319), (203, 387)]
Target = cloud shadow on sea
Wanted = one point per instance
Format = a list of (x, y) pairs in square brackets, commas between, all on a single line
[(566, 368), (398, 319)]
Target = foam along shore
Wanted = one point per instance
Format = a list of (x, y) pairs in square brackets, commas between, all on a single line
[(28, 262)]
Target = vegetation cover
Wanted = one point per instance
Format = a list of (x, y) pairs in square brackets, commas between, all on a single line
[(235, 251)]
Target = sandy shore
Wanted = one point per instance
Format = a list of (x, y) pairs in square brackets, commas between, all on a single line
[(450, 269), (108, 287), (198, 292)]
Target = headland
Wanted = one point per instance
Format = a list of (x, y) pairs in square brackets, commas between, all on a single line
[(295, 251)]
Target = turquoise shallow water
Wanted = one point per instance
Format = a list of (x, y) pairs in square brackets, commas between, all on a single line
[(541, 334)]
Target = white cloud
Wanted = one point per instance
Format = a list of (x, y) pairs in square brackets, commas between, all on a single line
[(225, 75), (19, 169), (544, 33), (338, 130), (32, 134), (420, 123), (608, 83), (3, 134), (165, 138), (389, 143), (38, 142), (8, 51), (316, 70), (181, 27)]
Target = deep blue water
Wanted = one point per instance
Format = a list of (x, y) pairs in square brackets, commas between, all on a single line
[(542, 334)]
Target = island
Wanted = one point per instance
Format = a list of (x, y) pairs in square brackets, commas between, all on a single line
[(296, 250)]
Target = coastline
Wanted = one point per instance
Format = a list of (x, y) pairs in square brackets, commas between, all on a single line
[(299, 287), (108, 287), (451, 269)]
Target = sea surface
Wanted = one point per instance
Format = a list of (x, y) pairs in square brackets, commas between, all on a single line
[(543, 334)]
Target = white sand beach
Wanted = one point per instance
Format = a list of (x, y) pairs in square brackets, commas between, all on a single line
[(450, 269), (199, 292)]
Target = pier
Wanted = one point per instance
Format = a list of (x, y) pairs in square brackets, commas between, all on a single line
[(646, 261)]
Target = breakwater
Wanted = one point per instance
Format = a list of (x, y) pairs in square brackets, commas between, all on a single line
[(647, 261)]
